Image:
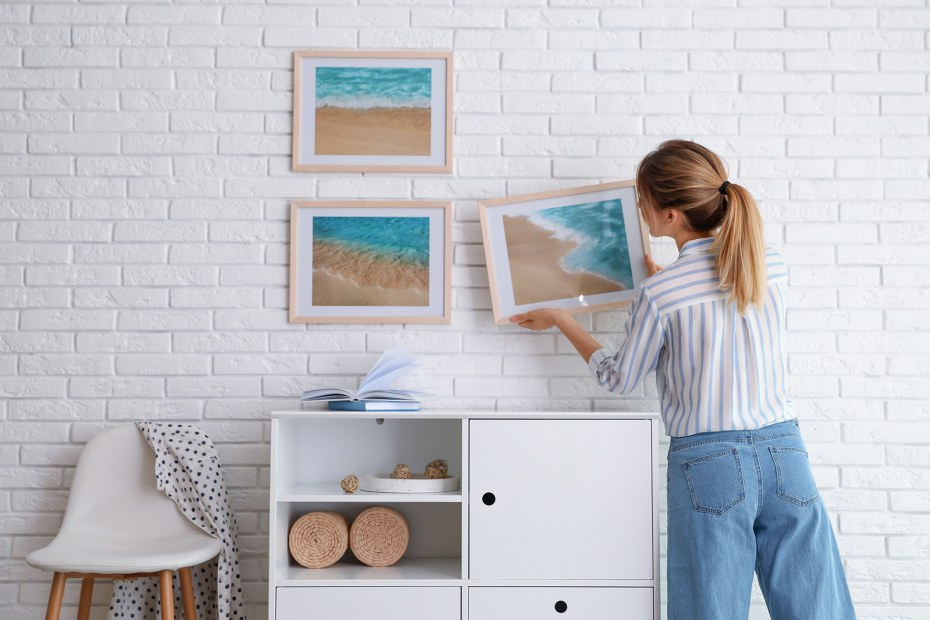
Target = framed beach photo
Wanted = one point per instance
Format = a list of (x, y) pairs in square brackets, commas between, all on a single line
[(385, 111), (370, 262), (582, 249)]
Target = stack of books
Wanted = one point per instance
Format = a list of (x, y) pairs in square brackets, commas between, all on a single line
[(374, 392)]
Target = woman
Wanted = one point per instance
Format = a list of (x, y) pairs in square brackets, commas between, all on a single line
[(741, 497)]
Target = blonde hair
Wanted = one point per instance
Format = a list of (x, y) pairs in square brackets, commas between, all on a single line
[(684, 175)]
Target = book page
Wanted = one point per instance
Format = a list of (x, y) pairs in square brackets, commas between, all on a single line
[(392, 364), (327, 394)]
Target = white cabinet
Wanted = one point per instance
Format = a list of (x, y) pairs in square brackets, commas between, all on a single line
[(556, 516)]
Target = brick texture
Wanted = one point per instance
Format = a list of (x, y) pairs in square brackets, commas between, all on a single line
[(145, 177)]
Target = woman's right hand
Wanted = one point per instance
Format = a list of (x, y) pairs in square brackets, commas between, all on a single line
[(539, 319), (651, 268)]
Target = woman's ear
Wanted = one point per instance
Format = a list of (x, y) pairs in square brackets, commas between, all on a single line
[(675, 219)]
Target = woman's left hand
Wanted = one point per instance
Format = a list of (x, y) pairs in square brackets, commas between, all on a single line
[(538, 320), (651, 268)]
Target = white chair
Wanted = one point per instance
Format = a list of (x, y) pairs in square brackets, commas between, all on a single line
[(118, 525)]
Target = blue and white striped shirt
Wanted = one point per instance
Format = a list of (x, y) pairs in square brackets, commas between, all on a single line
[(715, 369)]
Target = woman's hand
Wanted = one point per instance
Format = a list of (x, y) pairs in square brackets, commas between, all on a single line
[(651, 268), (544, 318), (540, 319)]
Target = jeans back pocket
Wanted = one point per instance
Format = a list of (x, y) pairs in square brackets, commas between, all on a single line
[(715, 481), (794, 481)]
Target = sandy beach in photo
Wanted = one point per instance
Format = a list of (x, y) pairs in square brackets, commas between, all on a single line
[(345, 277), (372, 131), (373, 111), (536, 270)]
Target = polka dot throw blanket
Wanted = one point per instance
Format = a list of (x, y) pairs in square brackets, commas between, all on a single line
[(187, 469)]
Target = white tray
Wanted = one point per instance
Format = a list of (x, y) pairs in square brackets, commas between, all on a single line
[(417, 483)]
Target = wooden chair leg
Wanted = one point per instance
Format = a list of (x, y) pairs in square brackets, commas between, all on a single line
[(54, 597), (167, 595), (87, 592), (187, 594)]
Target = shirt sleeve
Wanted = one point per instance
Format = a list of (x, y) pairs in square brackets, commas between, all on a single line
[(623, 370)]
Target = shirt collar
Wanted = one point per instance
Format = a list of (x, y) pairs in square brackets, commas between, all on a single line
[(696, 246)]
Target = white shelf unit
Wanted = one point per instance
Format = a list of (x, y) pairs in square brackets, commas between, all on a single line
[(556, 516)]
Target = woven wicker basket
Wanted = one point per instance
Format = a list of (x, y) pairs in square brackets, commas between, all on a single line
[(319, 539), (379, 536)]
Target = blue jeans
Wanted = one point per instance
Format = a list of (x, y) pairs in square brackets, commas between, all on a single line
[(741, 502)]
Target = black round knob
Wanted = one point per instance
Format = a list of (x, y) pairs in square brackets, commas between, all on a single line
[(487, 498), (561, 606)]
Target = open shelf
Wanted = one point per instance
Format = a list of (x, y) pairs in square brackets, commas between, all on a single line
[(314, 455), (330, 492), (349, 569), (434, 551)]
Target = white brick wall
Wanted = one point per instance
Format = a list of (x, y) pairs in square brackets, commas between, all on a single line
[(144, 182)]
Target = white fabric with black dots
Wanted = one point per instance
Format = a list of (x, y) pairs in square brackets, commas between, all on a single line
[(187, 469)]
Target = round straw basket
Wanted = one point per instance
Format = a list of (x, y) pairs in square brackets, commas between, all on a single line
[(319, 539), (379, 536)]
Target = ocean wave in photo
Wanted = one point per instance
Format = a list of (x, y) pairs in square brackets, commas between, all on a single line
[(386, 252), (373, 87), (600, 234)]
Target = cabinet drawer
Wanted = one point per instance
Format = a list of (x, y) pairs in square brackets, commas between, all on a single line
[(384, 603), (575, 603)]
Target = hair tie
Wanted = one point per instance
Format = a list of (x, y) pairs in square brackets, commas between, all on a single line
[(723, 188)]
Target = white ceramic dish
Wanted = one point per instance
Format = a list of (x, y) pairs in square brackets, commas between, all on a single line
[(417, 483)]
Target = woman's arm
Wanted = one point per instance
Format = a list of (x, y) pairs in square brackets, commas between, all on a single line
[(622, 370), (544, 318)]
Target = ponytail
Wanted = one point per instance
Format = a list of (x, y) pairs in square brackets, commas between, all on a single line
[(684, 175), (740, 246)]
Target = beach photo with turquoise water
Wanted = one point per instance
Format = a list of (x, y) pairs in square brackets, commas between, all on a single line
[(568, 252), (373, 110), (370, 261)]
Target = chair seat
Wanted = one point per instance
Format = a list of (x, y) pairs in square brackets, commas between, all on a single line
[(81, 552)]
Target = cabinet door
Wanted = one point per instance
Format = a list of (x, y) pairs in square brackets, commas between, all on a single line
[(384, 603), (560, 499), (508, 603)]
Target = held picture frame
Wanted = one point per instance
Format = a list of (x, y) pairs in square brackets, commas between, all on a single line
[(551, 249), (372, 111), (363, 261)]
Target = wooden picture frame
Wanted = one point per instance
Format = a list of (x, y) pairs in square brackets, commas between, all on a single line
[(372, 111), (546, 249), (361, 261)]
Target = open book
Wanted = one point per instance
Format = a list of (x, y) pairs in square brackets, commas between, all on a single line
[(377, 383)]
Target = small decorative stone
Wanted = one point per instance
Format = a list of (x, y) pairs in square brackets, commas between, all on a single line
[(400, 471), (441, 464), (349, 484), (434, 472)]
